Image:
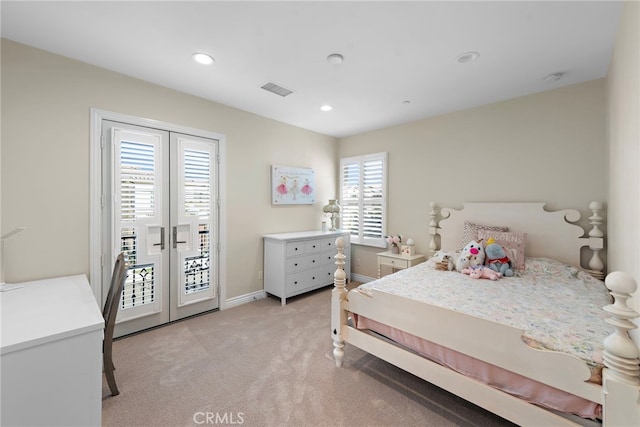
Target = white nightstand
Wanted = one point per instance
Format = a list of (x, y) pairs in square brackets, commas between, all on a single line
[(398, 261)]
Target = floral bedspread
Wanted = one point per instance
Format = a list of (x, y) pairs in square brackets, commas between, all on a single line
[(558, 307)]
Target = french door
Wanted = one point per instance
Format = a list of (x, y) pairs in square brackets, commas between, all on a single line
[(162, 211)]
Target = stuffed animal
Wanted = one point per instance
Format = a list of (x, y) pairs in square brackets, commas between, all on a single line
[(444, 261), (482, 272), (497, 258), (463, 262), (471, 255)]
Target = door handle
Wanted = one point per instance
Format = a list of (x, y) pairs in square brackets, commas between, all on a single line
[(175, 238), (161, 244)]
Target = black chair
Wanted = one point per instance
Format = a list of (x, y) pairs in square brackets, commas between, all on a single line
[(109, 314)]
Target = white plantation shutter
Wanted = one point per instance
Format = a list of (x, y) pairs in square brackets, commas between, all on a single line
[(363, 198), (197, 183), (137, 180)]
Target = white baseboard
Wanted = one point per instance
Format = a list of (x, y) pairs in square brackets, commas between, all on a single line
[(255, 296), (243, 299), (361, 278)]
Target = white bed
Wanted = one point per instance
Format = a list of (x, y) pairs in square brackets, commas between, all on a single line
[(552, 235)]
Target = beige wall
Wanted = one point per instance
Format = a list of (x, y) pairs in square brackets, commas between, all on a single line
[(545, 147), (623, 126), (46, 102)]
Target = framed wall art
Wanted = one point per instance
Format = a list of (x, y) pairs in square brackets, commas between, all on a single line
[(292, 186)]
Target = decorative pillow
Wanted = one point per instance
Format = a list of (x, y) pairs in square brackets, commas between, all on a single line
[(471, 231), (512, 242)]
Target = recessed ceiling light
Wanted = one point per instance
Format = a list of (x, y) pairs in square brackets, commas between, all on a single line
[(202, 58), (326, 108), (553, 77), (335, 58), (468, 57)]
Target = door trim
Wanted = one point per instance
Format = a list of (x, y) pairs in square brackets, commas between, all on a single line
[(95, 194)]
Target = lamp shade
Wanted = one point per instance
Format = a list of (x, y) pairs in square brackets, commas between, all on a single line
[(332, 207)]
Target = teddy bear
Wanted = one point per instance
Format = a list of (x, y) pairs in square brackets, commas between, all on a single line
[(471, 255), (497, 258), (481, 272)]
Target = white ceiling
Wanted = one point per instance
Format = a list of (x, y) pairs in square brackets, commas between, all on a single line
[(394, 51)]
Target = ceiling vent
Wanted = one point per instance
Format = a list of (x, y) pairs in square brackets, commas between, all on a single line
[(277, 89)]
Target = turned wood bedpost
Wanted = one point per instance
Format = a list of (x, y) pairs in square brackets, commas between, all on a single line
[(338, 295), (433, 229), (621, 375), (596, 241)]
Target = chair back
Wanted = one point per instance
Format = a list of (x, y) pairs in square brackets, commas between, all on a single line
[(110, 310)]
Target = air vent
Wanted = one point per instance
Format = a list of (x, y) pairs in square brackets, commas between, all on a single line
[(277, 89)]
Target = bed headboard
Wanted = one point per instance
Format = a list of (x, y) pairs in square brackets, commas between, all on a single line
[(549, 234)]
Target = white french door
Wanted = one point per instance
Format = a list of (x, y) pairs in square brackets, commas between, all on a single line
[(163, 212)]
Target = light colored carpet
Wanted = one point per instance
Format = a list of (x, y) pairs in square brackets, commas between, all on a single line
[(261, 364)]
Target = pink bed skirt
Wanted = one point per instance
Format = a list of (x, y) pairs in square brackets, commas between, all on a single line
[(512, 383)]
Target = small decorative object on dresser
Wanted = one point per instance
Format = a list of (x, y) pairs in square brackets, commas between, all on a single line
[(409, 248), (332, 209), (394, 243), (295, 263)]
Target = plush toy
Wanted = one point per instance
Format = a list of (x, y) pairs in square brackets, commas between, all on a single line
[(444, 261), (482, 272), (497, 258), (471, 255)]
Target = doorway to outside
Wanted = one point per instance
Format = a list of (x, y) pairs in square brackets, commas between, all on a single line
[(160, 204)]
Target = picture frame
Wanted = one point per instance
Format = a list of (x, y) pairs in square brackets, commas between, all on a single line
[(292, 185)]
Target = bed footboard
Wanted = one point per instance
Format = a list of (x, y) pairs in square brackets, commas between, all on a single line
[(621, 375), (338, 296)]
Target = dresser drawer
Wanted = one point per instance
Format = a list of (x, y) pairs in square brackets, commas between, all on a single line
[(328, 258), (329, 244), (295, 264), (312, 261), (295, 248), (303, 280), (312, 246), (394, 262)]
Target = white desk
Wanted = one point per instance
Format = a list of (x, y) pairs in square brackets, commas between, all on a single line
[(51, 354)]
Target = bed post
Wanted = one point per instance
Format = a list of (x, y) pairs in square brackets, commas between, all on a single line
[(338, 294), (596, 241), (433, 230), (621, 375)]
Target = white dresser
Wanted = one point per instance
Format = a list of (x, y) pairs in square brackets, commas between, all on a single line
[(299, 262), (51, 354)]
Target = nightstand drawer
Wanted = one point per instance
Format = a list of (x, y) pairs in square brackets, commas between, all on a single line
[(394, 262)]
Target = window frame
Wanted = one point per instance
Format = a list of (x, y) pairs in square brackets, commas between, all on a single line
[(360, 238)]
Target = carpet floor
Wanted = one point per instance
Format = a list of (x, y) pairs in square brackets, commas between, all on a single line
[(261, 364)]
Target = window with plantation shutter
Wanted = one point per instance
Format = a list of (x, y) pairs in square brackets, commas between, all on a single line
[(363, 194)]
